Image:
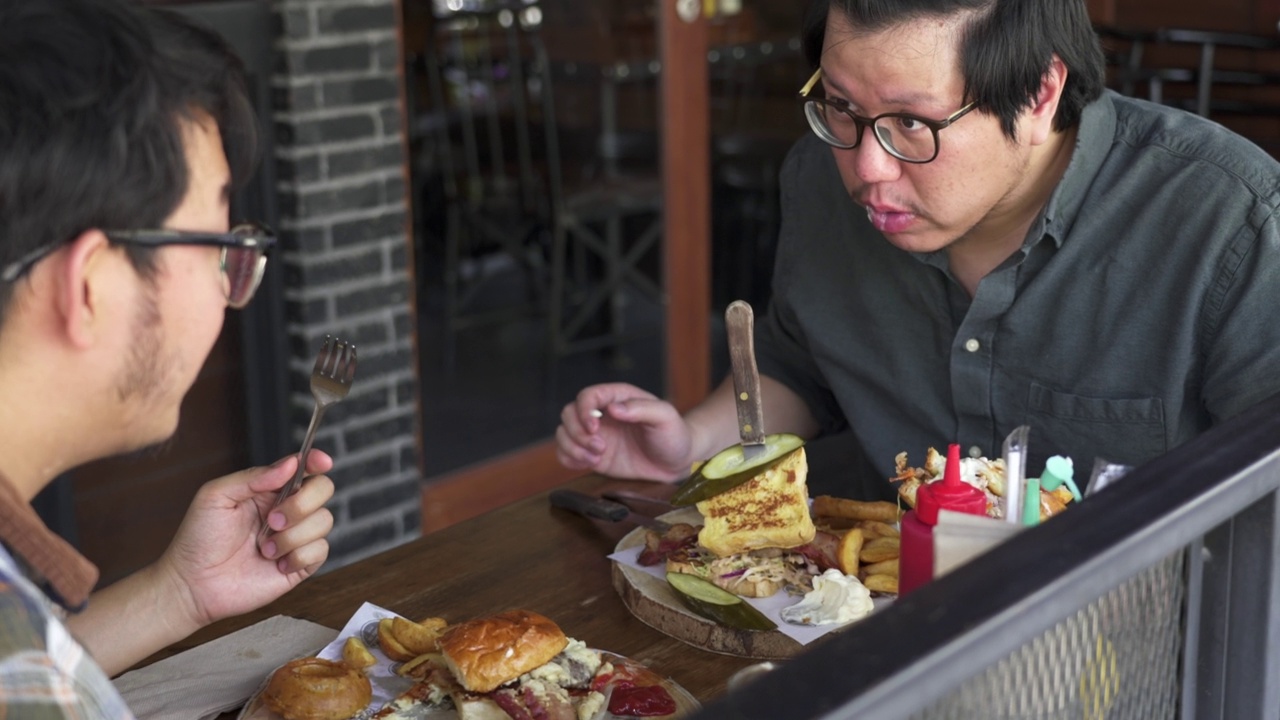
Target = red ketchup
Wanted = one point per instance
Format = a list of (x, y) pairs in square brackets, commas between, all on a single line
[(640, 700), (915, 565)]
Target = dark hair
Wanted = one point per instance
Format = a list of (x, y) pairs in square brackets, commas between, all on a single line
[(1006, 48), (94, 95)]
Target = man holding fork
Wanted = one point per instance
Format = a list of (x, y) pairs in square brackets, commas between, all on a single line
[(122, 132)]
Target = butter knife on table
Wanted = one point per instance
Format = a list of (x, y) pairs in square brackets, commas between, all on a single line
[(739, 322), (601, 509)]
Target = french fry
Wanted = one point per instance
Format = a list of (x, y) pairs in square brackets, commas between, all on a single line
[(882, 584), (420, 666), (878, 550), (872, 529), (847, 553), (835, 525), (884, 567), (828, 506), (356, 654)]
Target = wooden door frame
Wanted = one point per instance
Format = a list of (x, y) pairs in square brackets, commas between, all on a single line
[(685, 125)]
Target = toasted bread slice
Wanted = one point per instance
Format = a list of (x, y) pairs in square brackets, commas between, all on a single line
[(770, 510)]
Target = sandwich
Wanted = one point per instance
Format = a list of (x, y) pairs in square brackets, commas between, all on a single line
[(757, 537), (515, 664)]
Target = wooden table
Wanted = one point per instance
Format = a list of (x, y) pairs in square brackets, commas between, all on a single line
[(524, 555)]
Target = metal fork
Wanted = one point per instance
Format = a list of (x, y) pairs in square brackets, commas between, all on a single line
[(330, 381)]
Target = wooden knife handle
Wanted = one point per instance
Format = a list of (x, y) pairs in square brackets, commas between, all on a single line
[(740, 324), (588, 505)]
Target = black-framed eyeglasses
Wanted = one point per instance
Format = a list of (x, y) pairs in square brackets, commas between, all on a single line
[(910, 138), (244, 254)]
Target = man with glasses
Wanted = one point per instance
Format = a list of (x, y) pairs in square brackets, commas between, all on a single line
[(976, 236), (122, 132)]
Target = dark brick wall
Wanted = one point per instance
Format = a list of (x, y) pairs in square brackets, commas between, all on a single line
[(340, 163)]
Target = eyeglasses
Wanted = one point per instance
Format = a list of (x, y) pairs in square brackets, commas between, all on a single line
[(910, 138), (244, 255)]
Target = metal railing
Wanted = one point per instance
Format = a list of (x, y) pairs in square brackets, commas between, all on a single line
[(1155, 598)]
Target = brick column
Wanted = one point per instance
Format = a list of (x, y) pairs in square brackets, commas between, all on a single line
[(340, 160)]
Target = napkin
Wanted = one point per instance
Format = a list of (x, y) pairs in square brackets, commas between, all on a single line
[(221, 674)]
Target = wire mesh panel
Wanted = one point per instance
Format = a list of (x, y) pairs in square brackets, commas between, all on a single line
[(1117, 658)]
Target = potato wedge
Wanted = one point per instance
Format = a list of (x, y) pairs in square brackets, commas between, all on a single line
[(847, 551), (884, 567), (882, 584), (417, 639), (356, 654), (880, 549), (872, 529), (391, 647)]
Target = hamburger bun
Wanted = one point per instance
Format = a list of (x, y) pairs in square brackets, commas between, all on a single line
[(488, 652)]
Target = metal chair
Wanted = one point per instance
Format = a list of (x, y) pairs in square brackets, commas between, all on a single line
[(594, 259), (1192, 61), (753, 125), (488, 98)]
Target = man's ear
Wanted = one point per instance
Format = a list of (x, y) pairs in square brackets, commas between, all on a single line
[(81, 277), (1039, 117)]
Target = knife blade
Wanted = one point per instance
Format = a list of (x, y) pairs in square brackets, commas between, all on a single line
[(739, 322), (601, 509)]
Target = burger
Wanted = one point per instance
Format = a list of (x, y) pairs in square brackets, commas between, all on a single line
[(514, 664), (757, 537)]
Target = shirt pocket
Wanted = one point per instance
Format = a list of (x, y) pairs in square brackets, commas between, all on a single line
[(1120, 430)]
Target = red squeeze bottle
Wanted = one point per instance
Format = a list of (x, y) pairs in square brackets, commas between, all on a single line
[(915, 563)]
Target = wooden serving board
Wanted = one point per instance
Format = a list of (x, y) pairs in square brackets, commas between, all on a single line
[(655, 604)]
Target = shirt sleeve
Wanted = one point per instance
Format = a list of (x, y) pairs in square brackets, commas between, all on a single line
[(1242, 365), (782, 349), (44, 673)]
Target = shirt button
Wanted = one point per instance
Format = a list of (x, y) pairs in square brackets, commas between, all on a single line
[(975, 451), (972, 345)]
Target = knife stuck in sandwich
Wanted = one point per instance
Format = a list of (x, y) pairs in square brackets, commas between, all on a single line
[(739, 322)]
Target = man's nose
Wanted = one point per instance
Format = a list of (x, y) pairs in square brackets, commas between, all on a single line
[(872, 163)]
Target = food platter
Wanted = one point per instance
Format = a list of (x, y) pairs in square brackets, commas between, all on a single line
[(387, 684), (646, 593), (655, 604), (686, 703)]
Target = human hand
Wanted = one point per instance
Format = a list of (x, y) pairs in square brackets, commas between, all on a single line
[(214, 558), (622, 431)]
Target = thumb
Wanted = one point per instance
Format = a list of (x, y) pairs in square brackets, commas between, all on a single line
[(643, 411), (273, 476)]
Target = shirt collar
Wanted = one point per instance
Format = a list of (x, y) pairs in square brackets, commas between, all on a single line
[(1094, 138)]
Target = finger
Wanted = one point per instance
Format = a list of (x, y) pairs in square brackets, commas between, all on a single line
[(599, 397), (318, 461), (643, 411), (571, 454), (315, 526), (314, 492), (306, 559), (572, 421)]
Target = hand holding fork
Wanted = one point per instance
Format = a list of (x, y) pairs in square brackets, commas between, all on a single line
[(331, 378)]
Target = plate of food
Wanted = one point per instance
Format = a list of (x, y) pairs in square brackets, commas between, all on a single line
[(513, 664), (808, 567)]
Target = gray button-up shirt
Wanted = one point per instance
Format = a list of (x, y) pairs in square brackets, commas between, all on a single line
[(1143, 307)]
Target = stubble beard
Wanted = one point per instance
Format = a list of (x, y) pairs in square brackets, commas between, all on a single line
[(143, 381)]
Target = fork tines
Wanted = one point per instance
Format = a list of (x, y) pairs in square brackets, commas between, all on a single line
[(337, 360)]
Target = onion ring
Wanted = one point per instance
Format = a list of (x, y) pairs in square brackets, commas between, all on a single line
[(315, 689)]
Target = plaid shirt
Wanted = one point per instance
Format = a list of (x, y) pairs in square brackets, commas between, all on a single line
[(44, 672)]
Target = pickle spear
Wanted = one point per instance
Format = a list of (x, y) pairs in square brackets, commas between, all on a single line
[(728, 469), (715, 603)]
